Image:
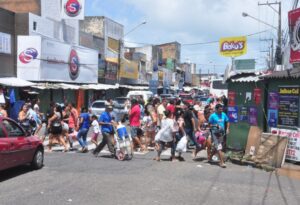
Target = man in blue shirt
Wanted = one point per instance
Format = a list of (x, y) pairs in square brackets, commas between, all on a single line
[(217, 122), (84, 125), (106, 122)]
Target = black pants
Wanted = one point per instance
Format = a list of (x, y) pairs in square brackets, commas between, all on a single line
[(106, 140)]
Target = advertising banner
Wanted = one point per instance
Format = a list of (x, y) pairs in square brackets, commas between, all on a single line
[(293, 147), (244, 114), (233, 114), (272, 117), (273, 99), (72, 9), (257, 95), (253, 116), (129, 69), (29, 57), (231, 98), (294, 27), (5, 43), (288, 112), (55, 61), (233, 46)]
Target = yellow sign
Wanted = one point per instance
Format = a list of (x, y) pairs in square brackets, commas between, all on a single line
[(129, 69), (233, 46), (113, 44)]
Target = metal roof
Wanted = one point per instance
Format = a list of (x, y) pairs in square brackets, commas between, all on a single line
[(293, 73), (246, 79)]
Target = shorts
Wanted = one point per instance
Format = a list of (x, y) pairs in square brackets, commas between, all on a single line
[(217, 138), (95, 136), (134, 131)]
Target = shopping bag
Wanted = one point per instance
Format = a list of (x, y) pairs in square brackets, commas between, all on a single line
[(181, 145)]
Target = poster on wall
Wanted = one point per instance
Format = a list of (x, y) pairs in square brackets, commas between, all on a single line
[(288, 112), (231, 98), (273, 98), (293, 147), (72, 9), (244, 114), (272, 117), (248, 97), (232, 114), (253, 116), (257, 96)]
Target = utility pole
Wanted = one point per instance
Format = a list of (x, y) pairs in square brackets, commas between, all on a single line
[(278, 56), (271, 52)]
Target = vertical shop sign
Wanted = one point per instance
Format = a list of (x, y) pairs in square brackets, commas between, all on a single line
[(253, 116), (272, 117), (233, 114), (257, 96), (244, 114), (231, 98), (288, 112), (273, 100)]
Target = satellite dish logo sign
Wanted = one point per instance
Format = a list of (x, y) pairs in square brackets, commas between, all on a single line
[(72, 8), (74, 65), (28, 55)]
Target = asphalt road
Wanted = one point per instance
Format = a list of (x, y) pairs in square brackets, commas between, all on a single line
[(75, 178)]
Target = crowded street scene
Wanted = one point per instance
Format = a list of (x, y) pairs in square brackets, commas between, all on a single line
[(149, 102)]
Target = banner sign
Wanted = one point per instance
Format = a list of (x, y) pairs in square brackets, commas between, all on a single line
[(72, 9), (244, 114), (5, 43), (288, 113), (272, 117), (253, 116), (129, 69), (257, 96), (41, 59), (294, 27), (232, 114), (273, 99), (233, 46), (231, 98), (293, 147)]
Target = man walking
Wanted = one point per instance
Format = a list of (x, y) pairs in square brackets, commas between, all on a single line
[(106, 122)]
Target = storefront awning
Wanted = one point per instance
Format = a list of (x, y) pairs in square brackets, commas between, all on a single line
[(132, 87), (55, 86), (15, 82), (99, 86)]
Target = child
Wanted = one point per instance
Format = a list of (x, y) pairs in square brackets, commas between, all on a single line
[(96, 130), (121, 137)]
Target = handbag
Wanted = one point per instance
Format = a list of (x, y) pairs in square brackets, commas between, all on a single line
[(181, 145)]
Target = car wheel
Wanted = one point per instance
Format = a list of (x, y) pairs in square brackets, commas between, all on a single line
[(38, 159)]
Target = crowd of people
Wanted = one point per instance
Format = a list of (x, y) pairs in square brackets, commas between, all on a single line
[(155, 124)]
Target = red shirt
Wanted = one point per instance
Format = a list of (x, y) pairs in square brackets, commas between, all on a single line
[(135, 116), (171, 108)]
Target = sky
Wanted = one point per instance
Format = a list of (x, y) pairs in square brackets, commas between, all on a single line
[(196, 21)]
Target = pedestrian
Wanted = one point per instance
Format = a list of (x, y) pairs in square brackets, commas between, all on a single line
[(179, 130), (84, 125), (149, 127), (166, 136), (106, 122), (96, 130), (218, 122), (135, 123), (39, 121), (73, 122)]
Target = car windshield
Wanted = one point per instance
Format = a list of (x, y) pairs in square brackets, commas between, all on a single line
[(98, 105), (218, 84)]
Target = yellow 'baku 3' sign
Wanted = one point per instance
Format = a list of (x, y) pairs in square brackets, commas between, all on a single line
[(233, 46)]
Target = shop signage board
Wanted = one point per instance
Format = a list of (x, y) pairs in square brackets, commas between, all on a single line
[(293, 147), (233, 114), (257, 95), (244, 114), (273, 99), (233, 46), (42, 59), (288, 112), (72, 9), (231, 98), (294, 25), (129, 69)]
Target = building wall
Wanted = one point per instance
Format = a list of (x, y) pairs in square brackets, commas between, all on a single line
[(22, 6), (8, 61)]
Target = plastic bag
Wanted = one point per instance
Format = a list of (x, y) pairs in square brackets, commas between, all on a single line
[(181, 145)]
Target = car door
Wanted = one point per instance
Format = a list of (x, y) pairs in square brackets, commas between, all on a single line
[(20, 146), (5, 154)]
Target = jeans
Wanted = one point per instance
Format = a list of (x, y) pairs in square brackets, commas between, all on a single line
[(191, 134), (162, 146), (81, 137), (106, 140)]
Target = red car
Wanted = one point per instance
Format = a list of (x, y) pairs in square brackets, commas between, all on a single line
[(16, 148)]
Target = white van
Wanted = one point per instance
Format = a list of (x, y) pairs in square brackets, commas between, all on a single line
[(135, 93), (218, 87)]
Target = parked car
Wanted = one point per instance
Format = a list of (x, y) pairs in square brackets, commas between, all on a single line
[(201, 98), (120, 101), (97, 107), (139, 93), (18, 149)]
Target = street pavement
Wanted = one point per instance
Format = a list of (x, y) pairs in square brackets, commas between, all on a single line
[(80, 178)]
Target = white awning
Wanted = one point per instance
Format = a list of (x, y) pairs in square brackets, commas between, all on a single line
[(132, 87), (99, 86), (55, 86), (15, 82)]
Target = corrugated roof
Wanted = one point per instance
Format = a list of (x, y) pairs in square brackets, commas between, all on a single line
[(246, 79), (293, 73)]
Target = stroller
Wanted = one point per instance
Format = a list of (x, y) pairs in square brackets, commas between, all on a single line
[(123, 146)]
